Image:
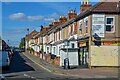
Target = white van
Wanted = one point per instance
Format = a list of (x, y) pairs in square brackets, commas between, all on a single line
[(4, 59)]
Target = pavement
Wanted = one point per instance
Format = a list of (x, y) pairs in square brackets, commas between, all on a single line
[(101, 72)]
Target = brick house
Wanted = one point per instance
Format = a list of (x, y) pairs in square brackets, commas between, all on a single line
[(98, 35), (29, 39), (93, 36)]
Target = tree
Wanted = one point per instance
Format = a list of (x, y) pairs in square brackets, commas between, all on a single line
[(22, 43)]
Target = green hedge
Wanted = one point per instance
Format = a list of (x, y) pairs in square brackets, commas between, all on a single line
[(31, 50)]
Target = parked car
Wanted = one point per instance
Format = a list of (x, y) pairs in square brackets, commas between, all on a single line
[(4, 59), (10, 51), (19, 50)]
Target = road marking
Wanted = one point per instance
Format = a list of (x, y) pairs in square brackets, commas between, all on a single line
[(26, 75), (49, 69), (38, 64)]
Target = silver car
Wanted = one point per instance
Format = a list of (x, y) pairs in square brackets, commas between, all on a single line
[(4, 59)]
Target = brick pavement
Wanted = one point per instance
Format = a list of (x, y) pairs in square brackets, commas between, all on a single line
[(81, 72)]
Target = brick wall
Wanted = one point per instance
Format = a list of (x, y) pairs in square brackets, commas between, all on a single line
[(57, 61)]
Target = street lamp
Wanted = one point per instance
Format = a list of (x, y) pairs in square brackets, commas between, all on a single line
[(28, 30), (66, 60), (67, 44)]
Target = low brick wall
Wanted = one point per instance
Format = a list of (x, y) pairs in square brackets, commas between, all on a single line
[(33, 53), (40, 55), (57, 61), (47, 57)]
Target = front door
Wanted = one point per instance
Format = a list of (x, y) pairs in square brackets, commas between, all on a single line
[(83, 53)]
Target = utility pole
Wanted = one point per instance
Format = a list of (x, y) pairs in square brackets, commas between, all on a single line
[(42, 42), (42, 47)]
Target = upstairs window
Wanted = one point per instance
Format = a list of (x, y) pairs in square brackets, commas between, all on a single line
[(73, 29), (110, 26), (80, 28), (86, 24)]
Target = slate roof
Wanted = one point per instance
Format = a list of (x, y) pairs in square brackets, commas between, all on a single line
[(101, 7)]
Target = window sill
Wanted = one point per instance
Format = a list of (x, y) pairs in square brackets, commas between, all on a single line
[(109, 32)]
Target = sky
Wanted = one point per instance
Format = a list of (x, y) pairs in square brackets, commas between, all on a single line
[(18, 16)]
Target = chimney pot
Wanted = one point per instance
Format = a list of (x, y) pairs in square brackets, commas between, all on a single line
[(85, 6), (55, 20)]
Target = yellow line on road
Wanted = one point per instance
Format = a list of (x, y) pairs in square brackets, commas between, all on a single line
[(48, 69), (38, 64)]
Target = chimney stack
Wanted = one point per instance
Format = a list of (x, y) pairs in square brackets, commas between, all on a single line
[(85, 6), (62, 19), (56, 23), (71, 14), (50, 24), (43, 29)]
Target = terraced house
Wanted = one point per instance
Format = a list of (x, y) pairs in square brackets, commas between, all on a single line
[(88, 39)]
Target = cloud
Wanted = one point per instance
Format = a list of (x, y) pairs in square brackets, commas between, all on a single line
[(54, 15), (7, 3), (51, 17), (21, 16), (48, 19), (17, 16), (33, 18)]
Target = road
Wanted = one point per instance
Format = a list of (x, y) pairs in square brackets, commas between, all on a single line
[(24, 68)]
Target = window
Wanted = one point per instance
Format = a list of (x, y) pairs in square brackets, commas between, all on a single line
[(54, 49), (47, 49), (80, 28), (60, 35), (72, 44), (59, 50), (110, 24), (73, 29), (69, 31), (86, 24)]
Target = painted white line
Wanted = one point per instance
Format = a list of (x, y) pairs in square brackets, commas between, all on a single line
[(26, 75)]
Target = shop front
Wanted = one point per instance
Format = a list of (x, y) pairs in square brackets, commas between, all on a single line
[(83, 53)]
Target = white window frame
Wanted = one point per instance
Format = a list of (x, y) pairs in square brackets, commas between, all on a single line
[(54, 51), (69, 29), (80, 23), (52, 36), (48, 50), (58, 36), (73, 28), (86, 26), (110, 24)]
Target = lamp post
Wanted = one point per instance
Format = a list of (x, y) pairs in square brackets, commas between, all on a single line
[(28, 30), (66, 60), (42, 47), (67, 44)]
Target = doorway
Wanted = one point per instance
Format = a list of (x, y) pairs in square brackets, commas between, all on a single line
[(83, 56)]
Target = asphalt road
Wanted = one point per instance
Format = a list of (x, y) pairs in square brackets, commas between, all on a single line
[(24, 68)]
